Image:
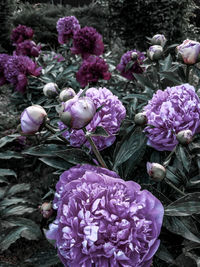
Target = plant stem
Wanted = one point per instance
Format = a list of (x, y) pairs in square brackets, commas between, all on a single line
[(51, 129), (174, 187), (168, 159), (158, 76), (187, 73), (95, 149)]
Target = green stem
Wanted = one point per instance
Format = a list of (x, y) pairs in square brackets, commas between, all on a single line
[(51, 129), (158, 76), (168, 159), (174, 187), (95, 149), (187, 73)]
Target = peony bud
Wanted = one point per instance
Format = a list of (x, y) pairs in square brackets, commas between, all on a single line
[(184, 137), (140, 119), (156, 171), (155, 52), (158, 39), (32, 119), (78, 112), (189, 51), (66, 94), (50, 90), (46, 210), (134, 55)]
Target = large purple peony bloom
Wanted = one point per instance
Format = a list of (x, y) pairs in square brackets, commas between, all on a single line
[(17, 69), (66, 28), (169, 112), (109, 117), (91, 70), (28, 48), (137, 58), (103, 220), (21, 33), (3, 59), (87, 41)]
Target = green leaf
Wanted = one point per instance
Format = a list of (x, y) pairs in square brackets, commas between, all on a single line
[(8, 139), (166, 63), (11, 237), (11, 201), (100, 131), (18, 188), (131, 146), (139, 96), (10, 154), (46, 150), (171, 76), (75, 156), (129, 65), (16, 210), (180, 227), (45, 258), (143, 80), (4, 180), (184, 157), (7, 172), (56, 163), (184, 206), (164, 254)]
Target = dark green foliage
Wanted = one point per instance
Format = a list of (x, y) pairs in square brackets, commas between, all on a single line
[(43, 18), (6, 8), (135, 20)]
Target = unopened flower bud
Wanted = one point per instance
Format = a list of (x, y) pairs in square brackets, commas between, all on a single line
[(50, 90), (80, 111), (189, 50), (32, 119), (66, 94), (184, 137), (46, 209), (155, 52), (158, 39), (156, 171), (140, 119), (66, 118), (134, 55)]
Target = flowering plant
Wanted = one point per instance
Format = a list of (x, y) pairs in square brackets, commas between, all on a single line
[(21, 33), (104, 220)]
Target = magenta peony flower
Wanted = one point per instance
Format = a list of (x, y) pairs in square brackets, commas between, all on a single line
[(87, 41), (91, 70), (66, 28), (21, 33), (28, 48), (103, 220), (3, 59), (135, 68), (169, 112), (109, 117), (16, 70)]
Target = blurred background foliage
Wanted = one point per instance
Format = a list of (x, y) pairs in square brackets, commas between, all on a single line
[(132, 21)]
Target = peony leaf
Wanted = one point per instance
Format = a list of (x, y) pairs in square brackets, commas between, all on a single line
[(180, 227), (10, 154), (16, 210), (75, 156), (184, 206), (166, 63), (7, 172), (164, 254), (184, 157), (143, 80), (18, 188), (100, 131), (56, 163), (8, 139), (46, 150)]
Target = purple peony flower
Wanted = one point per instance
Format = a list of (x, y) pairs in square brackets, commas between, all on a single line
[(109, 117), (28, 48), (3, 59), (87, 41), (21, 33), (169, 112), (66, 27), (136, 66), (16, 70), (91, 70), (103, 220)]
